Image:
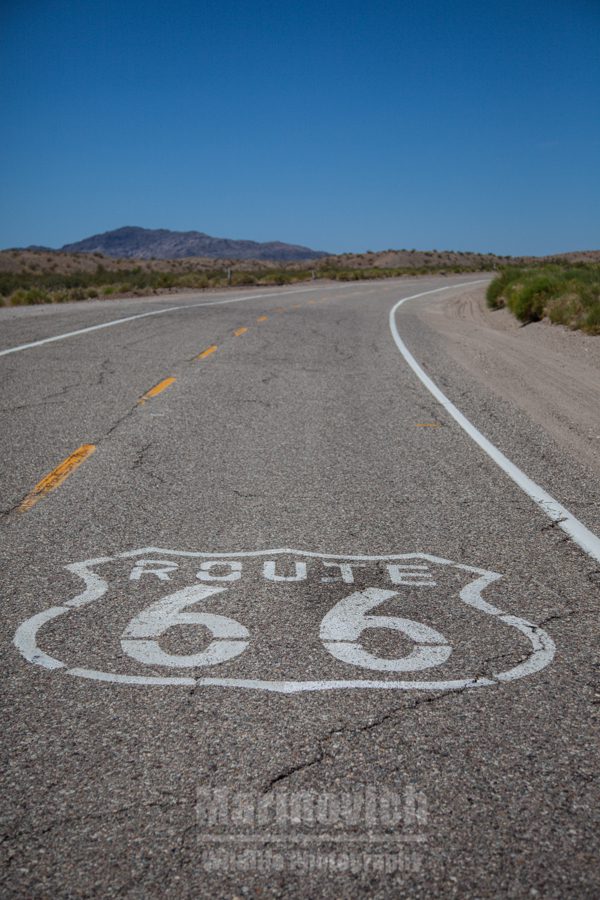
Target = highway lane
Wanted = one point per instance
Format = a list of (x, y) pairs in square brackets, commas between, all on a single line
[(83, 385), (306, 431), (26, 327), (31, 325)]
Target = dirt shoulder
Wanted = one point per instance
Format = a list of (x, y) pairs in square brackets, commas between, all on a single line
[(548, 371)]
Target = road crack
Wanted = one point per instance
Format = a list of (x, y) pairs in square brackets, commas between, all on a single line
[(43, 401), (322, 753)]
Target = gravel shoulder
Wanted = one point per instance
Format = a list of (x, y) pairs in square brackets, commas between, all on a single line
[(548, 372)]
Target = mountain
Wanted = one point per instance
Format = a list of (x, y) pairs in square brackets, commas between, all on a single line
[(160, 243)]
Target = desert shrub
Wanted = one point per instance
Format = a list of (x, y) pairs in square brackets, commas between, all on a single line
[(565, 295), (496, 291), (528, 299), (243, 278), (29, 297), (277, 276), (193, 280)]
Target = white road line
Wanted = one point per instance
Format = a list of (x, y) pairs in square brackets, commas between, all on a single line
[(156, 312), (565, 520), (167, 309)]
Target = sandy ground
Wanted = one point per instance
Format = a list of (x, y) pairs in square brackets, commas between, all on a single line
[(549, 372)]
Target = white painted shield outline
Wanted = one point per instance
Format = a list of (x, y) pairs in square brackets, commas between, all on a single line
[(543, 648)]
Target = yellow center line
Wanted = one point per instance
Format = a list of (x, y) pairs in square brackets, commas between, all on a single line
[(207, 352), (428, 424), (56, 477), (262, 318), (157, 389), (240, 331), (312, 302)]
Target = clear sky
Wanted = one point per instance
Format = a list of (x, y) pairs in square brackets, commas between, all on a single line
[(342, 125)]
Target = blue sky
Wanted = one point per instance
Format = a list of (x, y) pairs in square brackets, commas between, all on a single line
[(348, 125)]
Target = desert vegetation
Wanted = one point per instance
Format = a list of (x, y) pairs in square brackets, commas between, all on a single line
[(30, 277), (566, 294), (41, 276)]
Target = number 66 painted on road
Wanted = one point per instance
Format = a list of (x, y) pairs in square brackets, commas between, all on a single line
[(340, 630)]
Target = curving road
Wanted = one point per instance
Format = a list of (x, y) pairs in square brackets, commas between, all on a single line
[(300, 594)]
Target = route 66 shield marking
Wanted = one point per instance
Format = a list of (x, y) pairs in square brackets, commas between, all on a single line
[(286, 621)]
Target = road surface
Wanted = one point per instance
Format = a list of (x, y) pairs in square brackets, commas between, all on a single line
[(300, 597)]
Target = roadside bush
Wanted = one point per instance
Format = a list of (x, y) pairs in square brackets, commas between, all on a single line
[(193, 280), (528, 302), (277, 277), (29, 298), (566, 296), (243, 278)]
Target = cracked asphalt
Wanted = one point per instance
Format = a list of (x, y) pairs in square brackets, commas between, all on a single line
[(184, 715)]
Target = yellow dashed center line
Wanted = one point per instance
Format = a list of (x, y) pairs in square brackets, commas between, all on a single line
[(157, 389), (56, 477), (428, 424), (240, 331), (262, 318), (207, 352)]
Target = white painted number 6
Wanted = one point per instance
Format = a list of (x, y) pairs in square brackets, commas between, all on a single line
[(164, 614), (344, 624), (340, 630)]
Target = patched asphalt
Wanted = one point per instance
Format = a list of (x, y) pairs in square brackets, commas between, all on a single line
[(310, 433)]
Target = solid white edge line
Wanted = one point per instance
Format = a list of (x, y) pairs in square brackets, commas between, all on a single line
[(577, 531)]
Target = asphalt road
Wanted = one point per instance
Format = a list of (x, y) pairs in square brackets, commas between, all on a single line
[(286, 629)]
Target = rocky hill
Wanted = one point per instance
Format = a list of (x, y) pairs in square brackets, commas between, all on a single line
[(145, 243)]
